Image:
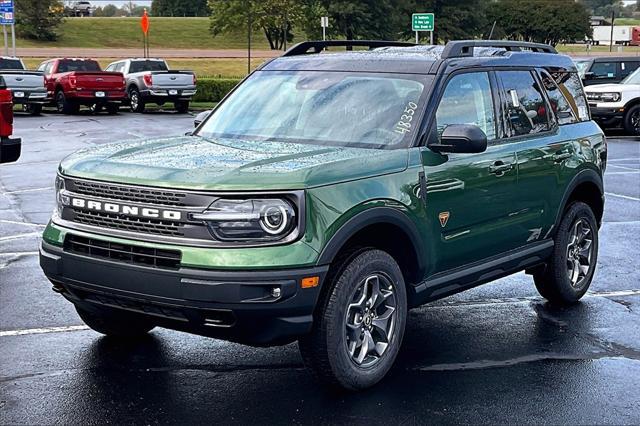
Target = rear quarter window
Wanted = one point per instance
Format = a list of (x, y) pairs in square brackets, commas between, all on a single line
[(570, 85), (558, 100)]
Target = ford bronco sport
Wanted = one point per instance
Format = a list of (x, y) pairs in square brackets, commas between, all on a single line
[(329, 193)]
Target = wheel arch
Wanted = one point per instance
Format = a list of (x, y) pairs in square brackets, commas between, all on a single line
[(385, 228), (587, 187)]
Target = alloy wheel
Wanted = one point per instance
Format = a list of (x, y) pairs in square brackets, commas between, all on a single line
[(579, 252), (370, 320)]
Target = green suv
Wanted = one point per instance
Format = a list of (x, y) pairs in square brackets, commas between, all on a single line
[(331, 192)]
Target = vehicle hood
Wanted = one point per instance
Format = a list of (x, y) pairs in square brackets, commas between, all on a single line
[(192, 162), (601, 88)]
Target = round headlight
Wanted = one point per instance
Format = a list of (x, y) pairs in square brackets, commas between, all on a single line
[(274, 219)]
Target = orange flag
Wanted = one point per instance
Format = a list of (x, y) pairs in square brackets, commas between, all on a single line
[(144, 22)]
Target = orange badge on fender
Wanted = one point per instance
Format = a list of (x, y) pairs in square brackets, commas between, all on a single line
[(444, 218)]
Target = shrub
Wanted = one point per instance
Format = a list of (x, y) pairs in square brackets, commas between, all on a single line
[(214, 89)]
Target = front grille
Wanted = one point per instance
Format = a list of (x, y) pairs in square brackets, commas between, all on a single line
[(133, 305), (137, 255), (125, 193), (128, 223)]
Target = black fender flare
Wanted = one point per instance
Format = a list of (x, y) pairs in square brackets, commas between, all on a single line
[(372, 216), (583, 176)]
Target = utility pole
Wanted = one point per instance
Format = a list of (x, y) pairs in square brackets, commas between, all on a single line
[(248, 7), (613, 17)]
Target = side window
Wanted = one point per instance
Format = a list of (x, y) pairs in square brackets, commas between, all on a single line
[(42, 66), (627, 67), (110, 67), (120, 67), (467, 100), (526, 109), (49, 68), (570, 85), (604, 69), (559, 104)]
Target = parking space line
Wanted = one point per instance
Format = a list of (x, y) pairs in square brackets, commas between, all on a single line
[(623, 159), (22, 191), (626, 197), (43, 330), (622, 167), (622, 173), (17, 222), (19, 236)]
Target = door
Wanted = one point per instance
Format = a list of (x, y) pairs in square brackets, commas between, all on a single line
[(469, 196)]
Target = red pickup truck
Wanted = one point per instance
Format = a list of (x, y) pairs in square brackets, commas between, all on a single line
[(72, 82), (9, 147)]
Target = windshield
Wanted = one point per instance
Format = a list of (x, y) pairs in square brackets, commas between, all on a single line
[(582, 67), (139, 66), (633, 78), (10, 64), (326, 108)]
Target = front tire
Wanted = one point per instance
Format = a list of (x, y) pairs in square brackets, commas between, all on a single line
[(570, 269), (33, 109), (631, 121), (182, 107), (115, 324), (113, 109), (358, 330)]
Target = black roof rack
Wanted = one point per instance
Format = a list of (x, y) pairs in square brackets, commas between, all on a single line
[(318, 46), (464, 48)]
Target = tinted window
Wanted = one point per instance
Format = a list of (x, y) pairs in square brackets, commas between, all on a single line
[(570, 84), (68, 65), (467, 100), (526, 109), (139, 66), (559, 104), (627, 67), (10, 64), (604, 69)]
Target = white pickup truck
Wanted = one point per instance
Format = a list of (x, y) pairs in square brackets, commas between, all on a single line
[(26, 86), (615, 104), (151, 81)]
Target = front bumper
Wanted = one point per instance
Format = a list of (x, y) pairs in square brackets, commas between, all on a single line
[(607, 116), (232, 305)]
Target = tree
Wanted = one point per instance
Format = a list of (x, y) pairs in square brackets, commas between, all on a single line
[(109, 11), (541, 21), (38, 19), (179, 8), (274, 17), (364, 19)]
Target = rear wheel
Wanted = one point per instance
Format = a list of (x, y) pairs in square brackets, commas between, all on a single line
[(65, 106), (631, 121), (33, 109), (113, 109), (182, 106), (357, 334), (117, 324), (136, 102), (569, 271)]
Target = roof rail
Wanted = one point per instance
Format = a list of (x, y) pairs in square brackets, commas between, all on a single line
[(318, 46), (464, 48)]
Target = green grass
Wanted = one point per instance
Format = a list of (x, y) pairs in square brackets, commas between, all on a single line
[(203, 67), (627, 21), (169, 33)]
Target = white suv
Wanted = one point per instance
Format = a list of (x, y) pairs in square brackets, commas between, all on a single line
[(615, 104)]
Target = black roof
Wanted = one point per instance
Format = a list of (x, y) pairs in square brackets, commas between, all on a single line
[(395, 57)]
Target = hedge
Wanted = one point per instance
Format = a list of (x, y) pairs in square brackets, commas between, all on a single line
[(214, 89)]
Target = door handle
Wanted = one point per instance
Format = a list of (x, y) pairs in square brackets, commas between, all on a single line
[(559, 157), (499, 168)]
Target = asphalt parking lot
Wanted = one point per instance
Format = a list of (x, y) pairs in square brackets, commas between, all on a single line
[(496, 354)]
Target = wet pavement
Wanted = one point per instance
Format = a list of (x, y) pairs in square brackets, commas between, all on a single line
[(495, 354)]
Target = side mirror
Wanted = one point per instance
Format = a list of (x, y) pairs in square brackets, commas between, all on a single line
[(10, 150), (588, 76), (461, 138)]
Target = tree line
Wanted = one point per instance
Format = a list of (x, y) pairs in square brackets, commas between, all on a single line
[(546, 21)]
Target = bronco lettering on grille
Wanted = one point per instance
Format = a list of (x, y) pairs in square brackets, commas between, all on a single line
[(126, 209)]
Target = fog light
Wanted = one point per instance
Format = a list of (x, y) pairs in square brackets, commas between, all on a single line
[(275, 292)]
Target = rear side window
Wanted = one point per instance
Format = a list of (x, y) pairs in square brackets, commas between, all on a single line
[(604, 69), (526, 110), (570, 85), (140, 66), (627, 67), (558, 101), (467, 100)]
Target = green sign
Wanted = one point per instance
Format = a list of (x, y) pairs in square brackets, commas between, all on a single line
[(422, 21)]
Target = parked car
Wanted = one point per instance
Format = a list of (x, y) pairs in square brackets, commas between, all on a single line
[(329, 194), (606, 69), (80, 8), (26, 86), (9, 147), (613, 105), (151, 81), (72, 82)]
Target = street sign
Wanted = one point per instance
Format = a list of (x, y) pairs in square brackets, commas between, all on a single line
[(6, 12), (422, 22), (324, 21)]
